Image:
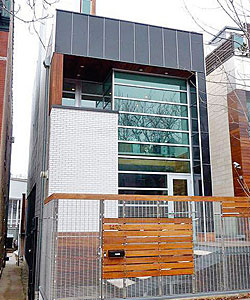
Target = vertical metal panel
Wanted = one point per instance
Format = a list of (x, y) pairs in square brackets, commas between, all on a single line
[(204, 136), (184, 56), (127, 41), (141, 44), (111, 39), (80, 34), (205, 148), (96, 36), (207, 179), (170, 48), (63, 32), (197, 52), (203, 102), (156, 46)]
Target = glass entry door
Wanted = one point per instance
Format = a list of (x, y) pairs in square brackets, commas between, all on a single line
[(179, 185)]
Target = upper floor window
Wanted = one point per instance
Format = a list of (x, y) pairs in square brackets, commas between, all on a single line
[(240, 44), (87, 94)]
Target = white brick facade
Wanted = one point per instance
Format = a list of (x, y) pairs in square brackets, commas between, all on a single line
[(220, 148), (83, 151), (83, 158)]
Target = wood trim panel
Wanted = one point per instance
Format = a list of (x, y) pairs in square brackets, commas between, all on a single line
[(164, 248), (141, 198), (56, 80), (93, 7), (237, 208), (239, 139)]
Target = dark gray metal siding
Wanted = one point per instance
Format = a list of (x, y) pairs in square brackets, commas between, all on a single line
[(92, 36)]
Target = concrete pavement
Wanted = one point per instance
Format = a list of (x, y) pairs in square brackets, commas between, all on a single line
[(11, 287)]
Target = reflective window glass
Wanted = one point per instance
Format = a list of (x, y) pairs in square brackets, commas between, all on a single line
[(150, 81), (143, 180), (195, 139), (143, 192), (195, 125), (92, 88), (142, 135), (150, 94), (153, 150), (194, 112), (92, 101), (68, 99), (150, 165), (151, 108), (153, 122), (193, 99), (69, 86), (197, 167), (196, 153)]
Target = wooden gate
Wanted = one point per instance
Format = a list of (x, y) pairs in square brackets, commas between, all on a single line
[(148, 247)]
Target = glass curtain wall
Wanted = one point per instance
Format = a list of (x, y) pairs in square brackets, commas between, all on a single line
[(153, 131)]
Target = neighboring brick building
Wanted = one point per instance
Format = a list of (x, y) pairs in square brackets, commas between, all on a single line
[(6, 50), (228, 88)]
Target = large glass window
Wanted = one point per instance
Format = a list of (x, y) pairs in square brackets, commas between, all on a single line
[(142, 135), (153, 112), (150, 94), (153, 165), (153, 150), (151, 108), (150, 81), (87, 94), (153, 122), (144, 192), (143, 180), (69, 93)]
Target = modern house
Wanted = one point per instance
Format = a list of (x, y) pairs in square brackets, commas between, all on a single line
[(6, 50), (227, 69), (120, 107)]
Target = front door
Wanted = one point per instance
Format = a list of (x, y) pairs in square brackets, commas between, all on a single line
[(179, 185)]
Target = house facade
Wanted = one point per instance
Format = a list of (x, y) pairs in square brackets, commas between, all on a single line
[(6, 50), (120, 107), (227, 68)]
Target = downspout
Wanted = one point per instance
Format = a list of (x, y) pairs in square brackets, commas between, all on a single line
[(43, 174)]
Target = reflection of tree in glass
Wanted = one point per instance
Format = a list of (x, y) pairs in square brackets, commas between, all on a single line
[(150, 94), (150, 121)]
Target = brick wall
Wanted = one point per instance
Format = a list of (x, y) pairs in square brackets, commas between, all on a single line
[(5, 129), (83, 158), (83, 151)]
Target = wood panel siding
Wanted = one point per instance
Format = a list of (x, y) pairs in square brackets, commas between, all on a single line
[(56, 80), (239, 139), (93, 7), (236, 208), (153, 247)]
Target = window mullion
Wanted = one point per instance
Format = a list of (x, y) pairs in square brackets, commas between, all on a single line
[(78, 93)]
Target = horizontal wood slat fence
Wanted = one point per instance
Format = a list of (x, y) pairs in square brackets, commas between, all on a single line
[(153, 247)]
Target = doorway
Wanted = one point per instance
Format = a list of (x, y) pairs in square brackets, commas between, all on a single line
[(179, 185)]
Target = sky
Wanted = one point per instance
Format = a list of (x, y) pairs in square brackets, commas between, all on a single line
[(201, 16)]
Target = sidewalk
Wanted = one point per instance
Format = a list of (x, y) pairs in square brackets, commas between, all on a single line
[(10, 283)]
